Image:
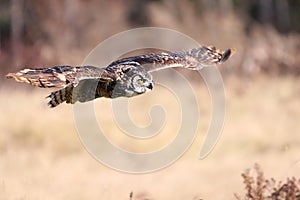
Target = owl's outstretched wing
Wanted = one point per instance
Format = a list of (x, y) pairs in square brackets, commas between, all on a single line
[(82, 83), (59, 76), (194, 59)]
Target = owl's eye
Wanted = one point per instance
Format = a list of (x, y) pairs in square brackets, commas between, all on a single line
[(142, 80), (139, 78)]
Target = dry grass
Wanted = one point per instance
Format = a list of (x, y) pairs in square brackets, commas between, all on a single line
[(41, 156)]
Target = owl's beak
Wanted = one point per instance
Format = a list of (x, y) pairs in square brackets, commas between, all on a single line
[(150, 86)]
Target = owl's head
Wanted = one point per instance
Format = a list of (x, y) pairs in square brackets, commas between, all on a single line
[(132, 80), (141, 82), (138, 80)]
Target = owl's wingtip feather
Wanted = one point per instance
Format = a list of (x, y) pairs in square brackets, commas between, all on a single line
[(9, 75), (18, 77), (227, 54)]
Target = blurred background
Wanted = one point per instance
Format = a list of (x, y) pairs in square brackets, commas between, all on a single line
[(41, 156)]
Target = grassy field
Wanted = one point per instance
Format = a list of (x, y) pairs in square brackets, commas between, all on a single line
[(41, 156)]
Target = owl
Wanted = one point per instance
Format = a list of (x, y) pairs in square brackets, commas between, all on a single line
[(126, 77)]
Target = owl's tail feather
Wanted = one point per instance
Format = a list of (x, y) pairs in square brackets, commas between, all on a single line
[(60, 96), (85, 90), (45, 78)]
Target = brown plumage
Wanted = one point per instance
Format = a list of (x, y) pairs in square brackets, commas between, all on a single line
[(125, 77), (85, 83)]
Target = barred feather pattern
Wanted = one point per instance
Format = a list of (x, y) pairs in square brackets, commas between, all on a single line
[(195, 59), (58, 76), (85, 90), (60, 96)]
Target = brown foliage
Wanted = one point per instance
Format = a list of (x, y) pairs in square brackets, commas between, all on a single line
[(259, 188)]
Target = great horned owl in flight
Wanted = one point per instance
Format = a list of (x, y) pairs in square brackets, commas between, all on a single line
[(126, 77)]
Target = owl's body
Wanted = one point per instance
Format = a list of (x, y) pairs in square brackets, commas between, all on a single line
[(112, 84), (126, 77)]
